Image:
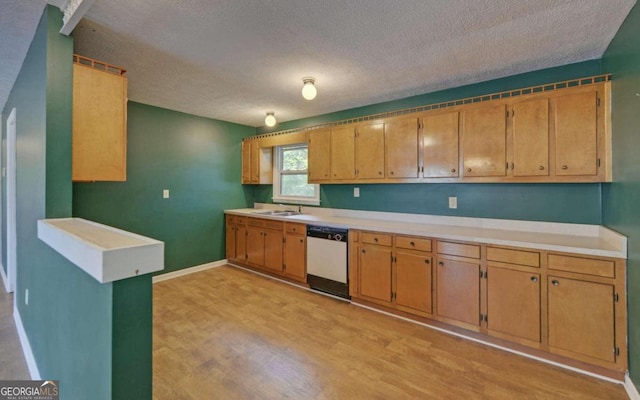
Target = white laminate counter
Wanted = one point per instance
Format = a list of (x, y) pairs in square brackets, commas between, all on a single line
[(592, 240), (108, 254)]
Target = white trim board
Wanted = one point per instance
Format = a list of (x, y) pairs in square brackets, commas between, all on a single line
[(26, 347), (5, 280), (631, 389), (188, 271)]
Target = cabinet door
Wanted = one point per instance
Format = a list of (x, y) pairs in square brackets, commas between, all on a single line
[(255, 246), (230, 247), (319, 155), (530, 127), (458, 291), (294, 256), (241, 242), (440, 145), (343, 151), (255, 162), (576, 134), (581, 317), (413, 281), (513, 303), (99, 150), (273, 250), (370, 152), (402, 148), (375, 272), (484, 141), (246, 162)]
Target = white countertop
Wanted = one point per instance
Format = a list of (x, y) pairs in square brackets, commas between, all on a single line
[(106, 253), (593, 240)]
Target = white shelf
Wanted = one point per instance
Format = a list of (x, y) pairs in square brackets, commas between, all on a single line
[(108, 254)]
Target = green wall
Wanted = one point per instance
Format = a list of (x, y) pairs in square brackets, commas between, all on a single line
[(621, 199), (197, 159), (571, 203)]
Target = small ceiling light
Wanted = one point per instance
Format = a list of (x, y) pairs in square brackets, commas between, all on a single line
[(270, 119), (309, 90)]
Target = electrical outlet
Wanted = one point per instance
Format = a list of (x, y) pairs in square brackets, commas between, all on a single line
[(165, 194), (453, 202), (26, 297), (356, 192)]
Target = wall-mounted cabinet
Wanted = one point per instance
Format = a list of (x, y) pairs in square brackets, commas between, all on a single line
[(484, 141), (257, 163), (440, 149), (99, 121)]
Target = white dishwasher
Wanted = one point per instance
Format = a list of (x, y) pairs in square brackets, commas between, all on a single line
[(327, 260)]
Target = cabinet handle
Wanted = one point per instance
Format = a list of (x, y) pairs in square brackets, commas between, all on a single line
[(441, 263), (565, 167), (541, 168), (391, 172), (534, 279), (379, 172), (363, 251), (453, 170), (294, 229), (512, 166), (426, 261), (375, 240), (301, 240), (468, 169), (412, 244), (555, 282)]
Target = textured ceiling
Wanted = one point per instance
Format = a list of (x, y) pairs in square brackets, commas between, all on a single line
[(235, 60), (18, 22)]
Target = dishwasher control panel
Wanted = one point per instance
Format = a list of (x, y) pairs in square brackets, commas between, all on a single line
[(328, 233)]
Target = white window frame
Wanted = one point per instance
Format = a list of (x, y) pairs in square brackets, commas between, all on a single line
[(277, 172)]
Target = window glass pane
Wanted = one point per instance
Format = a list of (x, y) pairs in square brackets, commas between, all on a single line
[(296, 185), (294, 159)]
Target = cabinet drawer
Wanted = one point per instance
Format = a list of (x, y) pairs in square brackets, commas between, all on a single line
[(406, 242), (291, 227), (459, 249), (376, 238), (519, 257), (588, 266), (255, 222), (273, 224), (231, 219), (240, 220)]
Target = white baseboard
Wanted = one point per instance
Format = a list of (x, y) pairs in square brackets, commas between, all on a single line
[(632, 390), (187, 271), (26, 347), (5, 280)]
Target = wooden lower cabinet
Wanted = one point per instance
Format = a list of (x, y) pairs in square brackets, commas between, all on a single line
[(273, 248), (236, 232), (255, 246), (582, 318), (295, 251), (513, 303), (413, 281), (458, 290), (572, 307), (375, 272)]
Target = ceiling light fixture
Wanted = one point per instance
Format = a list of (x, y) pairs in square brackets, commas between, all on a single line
[(309, 90), (270, 119)]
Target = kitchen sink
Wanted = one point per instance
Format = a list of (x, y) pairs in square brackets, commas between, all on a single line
[(282, 213)]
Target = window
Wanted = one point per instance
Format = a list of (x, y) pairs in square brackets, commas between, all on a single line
[(290, 176)]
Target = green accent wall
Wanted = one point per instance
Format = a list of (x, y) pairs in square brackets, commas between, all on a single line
[(621, 199), (197, 159), (572, 203)]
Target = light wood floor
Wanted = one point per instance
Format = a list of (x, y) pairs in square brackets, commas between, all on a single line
[(229, 334), (12, 363)]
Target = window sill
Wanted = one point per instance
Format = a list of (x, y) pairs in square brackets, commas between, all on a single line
[(296, 201)]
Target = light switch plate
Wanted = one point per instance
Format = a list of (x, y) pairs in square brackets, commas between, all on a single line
[(165, 194), (453, 202), (356, 192)]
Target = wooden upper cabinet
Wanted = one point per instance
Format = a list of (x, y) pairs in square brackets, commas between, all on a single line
[(402, 148), (582, 318), (575, 123), (99, 123), (370, 151), (246, 162), (256, 163), (530, 135), (440, 145), (343, 165), (484, 141), (319, 155), (513, 303)]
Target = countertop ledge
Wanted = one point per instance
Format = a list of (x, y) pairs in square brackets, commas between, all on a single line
[(593, 240), (106, 253)]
